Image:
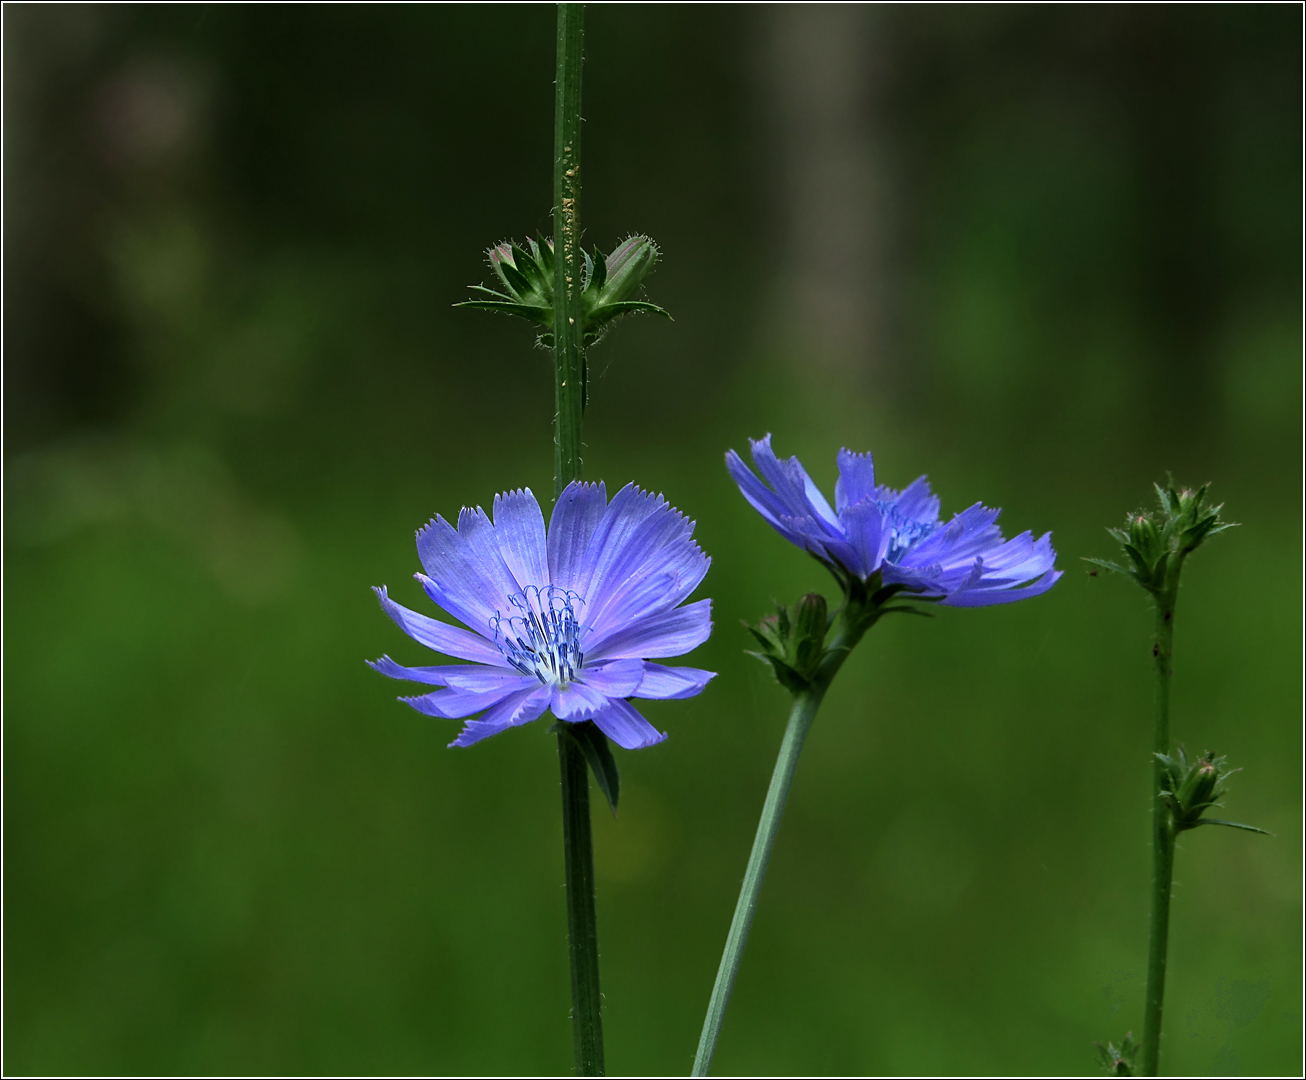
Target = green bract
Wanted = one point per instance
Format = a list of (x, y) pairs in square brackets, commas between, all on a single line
[(526, 276)]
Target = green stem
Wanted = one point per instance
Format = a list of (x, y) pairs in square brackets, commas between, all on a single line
[(1163, 836), (582, 927), (800, 720), (568, 262), (569, 388)]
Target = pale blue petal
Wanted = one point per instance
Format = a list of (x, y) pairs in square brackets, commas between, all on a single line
[(450, 640), (981, 597), (613, 678), (671, 682), (629, 508), (473, 584), (432, 676), (868, 537), (576, 515), (455, 704), (576, 701), (856, 480), (790, 481), (669, 634), (917, 503), (763, 499), (622, 723), (482, 552), (659, 548), (520, 708), (477, 679), (519, 527)]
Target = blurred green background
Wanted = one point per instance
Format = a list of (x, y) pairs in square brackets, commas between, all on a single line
[(1043, 254)]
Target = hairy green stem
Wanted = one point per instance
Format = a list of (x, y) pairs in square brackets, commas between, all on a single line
[(568, 262), (1163, 835), (569, 389), (800, 721)]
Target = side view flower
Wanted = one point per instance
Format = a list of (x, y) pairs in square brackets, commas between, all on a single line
[(564, 620), (882, 546), (965, 562)]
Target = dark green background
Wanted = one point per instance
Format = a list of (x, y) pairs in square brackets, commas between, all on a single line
[(234, 386)]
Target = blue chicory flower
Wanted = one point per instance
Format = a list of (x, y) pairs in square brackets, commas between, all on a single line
[(564, 621), (964, 563)]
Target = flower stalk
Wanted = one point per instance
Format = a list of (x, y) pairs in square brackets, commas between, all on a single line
[(1163, 833), (569, 392), (806, 701)]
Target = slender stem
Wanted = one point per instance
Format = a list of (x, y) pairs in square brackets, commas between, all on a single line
[(569, 387), (1163, 836), (800, 720)]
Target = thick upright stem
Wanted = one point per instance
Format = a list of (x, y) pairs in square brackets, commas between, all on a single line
[(1163, 836), (582, 927), (568, 262), (800, 720), (569, 386)]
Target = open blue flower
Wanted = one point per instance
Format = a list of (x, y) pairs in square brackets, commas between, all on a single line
[(964, 563), (564, 621)]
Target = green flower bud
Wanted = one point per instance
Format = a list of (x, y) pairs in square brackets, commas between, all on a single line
[(794, 647), (1190, 788), (1119, 1060), (810, 625), (1197, 791)]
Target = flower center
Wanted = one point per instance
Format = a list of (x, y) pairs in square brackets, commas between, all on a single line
[(543, 637), (903, 531)]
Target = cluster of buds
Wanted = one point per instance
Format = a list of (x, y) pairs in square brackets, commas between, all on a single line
[(1119, 1060), (1190, 788), (794, 647), (1157, 542), (609, 282)]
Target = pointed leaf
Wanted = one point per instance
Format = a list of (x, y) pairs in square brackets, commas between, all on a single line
[(514, 279), (606, 312), (544, 256), (1234, 825), (1115, 568), (531, 271), (598, 271), (540, 315), (491, 292)]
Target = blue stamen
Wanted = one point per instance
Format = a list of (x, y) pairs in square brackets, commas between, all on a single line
[(903, 532), (544, 640)]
